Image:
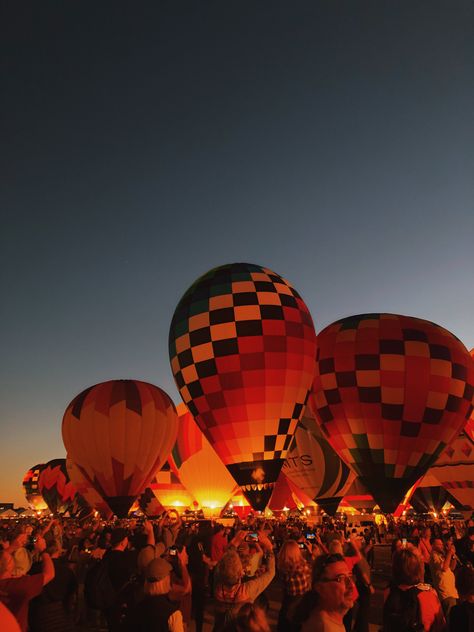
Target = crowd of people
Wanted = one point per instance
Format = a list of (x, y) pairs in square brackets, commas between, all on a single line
[(140, 575)]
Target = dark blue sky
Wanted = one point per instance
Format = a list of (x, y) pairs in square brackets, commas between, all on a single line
[(330, 141)]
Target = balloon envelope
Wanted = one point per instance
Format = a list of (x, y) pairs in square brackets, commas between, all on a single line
[(119, 433), (199, 468), (391, 392), (242, 347), (169, 490), (31, 489), (313, 465), (56, 488), (455, 470), (85, 489)]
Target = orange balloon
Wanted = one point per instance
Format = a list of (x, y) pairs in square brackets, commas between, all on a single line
[(199, 468), (119, 433)]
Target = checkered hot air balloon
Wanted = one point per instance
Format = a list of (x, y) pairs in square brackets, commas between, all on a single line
[(242, 347), (31, 488), (391, 392), (314, 467), (119, 433), (198, 466)]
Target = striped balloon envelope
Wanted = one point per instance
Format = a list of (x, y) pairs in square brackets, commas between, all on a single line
[(119, 433), (390, 393), (314, 467), (199, 468), (242, 347), (31, 488)]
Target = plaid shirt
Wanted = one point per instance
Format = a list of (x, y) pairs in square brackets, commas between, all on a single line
[(298, 581)]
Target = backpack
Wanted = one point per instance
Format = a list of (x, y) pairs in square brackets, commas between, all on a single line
[(99, 592), (401, 612)]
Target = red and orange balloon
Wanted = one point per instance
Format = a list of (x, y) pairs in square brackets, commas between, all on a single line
[(119, 433), (242, 347), (391, 392)]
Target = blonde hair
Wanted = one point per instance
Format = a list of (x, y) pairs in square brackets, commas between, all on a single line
[(290, 556), (158, 588)]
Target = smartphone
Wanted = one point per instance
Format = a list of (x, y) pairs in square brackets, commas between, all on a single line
[(404, 543), (251, 537), (310, 536), (173, 550), (302, 545)]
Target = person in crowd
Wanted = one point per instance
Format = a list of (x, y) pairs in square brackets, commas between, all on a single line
[(442, 565), (17, 592), (200, 562), (324, 607), (219, 543), (121, 565), (362, 576), (295, 574), (351, 553), (231, 592), (157, 611), (169, 527), (424, 546), (410, 602), (51, 610), (250, 618), (465, 547), (17, 549), (461, 617)]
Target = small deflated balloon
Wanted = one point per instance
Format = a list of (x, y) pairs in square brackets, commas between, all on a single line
[(390, 393), (119, 433)]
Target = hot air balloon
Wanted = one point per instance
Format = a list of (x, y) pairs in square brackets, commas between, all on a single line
[(85, 489), (315, 468), (199, 468), (242, 347), (455, 470), (56, 488), (358, 497), (430, 496), (119, 433), (169, 490), (390, 393), (149, 504), (30, 486), (286, 495)]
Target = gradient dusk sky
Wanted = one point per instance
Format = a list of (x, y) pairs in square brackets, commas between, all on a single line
[(330, 141)]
